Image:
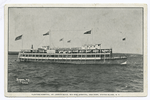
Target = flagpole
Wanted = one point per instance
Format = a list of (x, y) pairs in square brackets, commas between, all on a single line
[(49, 39), (92, 35), (22, 41), (70, 43), (125, 44), (63, 43)]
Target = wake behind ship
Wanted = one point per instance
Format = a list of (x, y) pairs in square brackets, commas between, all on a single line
[(87, 54)]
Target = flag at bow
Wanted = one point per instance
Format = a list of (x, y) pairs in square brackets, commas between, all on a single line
[(69, 41), (88, 32), (61, 39), (46, 34), (18, 38), (123, 39)]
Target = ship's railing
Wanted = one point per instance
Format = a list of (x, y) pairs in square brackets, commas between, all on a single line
[(86, 58), (68, 56), (69, 51), (74, 55), (65, 53), (119, 57), (54, 55)]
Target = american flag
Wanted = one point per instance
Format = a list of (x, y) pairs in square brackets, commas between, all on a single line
[(18, 37), (46, 34), (69, 41), (61, 39)]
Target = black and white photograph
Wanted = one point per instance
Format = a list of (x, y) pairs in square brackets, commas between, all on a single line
[(84, 50)]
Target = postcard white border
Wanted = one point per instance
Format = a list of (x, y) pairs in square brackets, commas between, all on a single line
[(75, 94)]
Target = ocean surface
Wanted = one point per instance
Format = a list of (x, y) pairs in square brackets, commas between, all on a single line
[(47, 77)]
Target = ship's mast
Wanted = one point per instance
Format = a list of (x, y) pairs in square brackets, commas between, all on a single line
[(49, 39), (22, 42), (92, 35)]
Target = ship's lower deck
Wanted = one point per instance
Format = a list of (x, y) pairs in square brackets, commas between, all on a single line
[(76, 58), (116, 60)]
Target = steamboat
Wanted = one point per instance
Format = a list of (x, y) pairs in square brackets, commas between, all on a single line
[(86, 54), (83, 55)]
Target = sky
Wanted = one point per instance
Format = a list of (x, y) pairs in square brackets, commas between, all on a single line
[(108, 27)]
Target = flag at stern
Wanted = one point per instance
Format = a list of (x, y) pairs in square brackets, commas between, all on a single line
[(123, 39)]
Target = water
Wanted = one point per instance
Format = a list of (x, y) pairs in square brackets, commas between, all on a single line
[(46, 77)]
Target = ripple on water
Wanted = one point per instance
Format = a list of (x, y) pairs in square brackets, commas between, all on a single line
[(46, 77)]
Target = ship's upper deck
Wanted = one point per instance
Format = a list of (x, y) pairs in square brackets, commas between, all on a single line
[(67, 51), (80, 50)]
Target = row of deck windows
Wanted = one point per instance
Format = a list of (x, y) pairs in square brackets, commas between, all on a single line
[(74, 56)]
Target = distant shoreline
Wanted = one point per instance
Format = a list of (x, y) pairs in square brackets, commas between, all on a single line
[(13, 52)]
